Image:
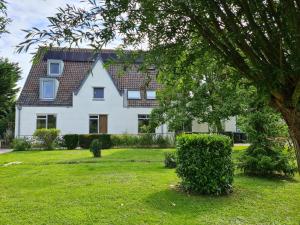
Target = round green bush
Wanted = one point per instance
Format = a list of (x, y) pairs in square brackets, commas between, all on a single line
[(204, 163), (95, 148), (21, 144)]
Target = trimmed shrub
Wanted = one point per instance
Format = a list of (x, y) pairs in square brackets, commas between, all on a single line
[(170, 160), (21, 144), (47, 137), (70, 141), (267, 160), (85, 140), (204, 163), (95, 148)]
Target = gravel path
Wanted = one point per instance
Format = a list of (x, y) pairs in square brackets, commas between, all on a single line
[(2, 151)]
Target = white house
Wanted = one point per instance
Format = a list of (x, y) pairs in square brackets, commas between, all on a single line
[(73, 91)]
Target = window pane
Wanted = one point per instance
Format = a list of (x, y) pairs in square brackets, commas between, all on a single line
[(98, 92), (151, 95), (48, 89), (54, 68), (93, 126), (143, 124), (51, 121), (134, 95), (40, 123)]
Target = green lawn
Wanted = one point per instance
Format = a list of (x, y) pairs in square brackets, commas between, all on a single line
[(130, 186)]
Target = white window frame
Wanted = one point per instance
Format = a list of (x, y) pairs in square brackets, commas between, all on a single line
[(42, 88), (61, 66), (99, 99), (46, 118), (133, 97), (151, 97)]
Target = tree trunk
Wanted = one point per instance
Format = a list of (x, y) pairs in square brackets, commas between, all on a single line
[(292, 118)]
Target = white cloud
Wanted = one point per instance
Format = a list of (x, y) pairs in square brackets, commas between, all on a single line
[(25, 15)]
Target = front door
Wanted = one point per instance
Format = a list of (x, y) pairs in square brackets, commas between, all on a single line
[(103, 124)]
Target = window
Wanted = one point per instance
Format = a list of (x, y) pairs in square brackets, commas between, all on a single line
[(143, 124), (48, 89), (98, 124), (134, 95), (98, 93), (151, 95), (46, 121), (55, 67)]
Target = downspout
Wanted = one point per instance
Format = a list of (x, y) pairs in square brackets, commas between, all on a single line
[(19, 107)]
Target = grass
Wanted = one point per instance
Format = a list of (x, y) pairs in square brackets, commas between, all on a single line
[(130, 186)]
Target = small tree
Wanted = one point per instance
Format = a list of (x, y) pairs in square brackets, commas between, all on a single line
[(267, 154)]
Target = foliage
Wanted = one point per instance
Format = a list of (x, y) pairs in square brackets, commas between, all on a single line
[(141, 140), (204, 163), (85, 140), (170, 160), (267, 133), (9, 76), (95, 147), (204, 89), (71, 141), (21, 144), (4, 21), (47, 137)]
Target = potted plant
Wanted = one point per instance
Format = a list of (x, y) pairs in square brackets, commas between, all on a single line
[(95, 148)]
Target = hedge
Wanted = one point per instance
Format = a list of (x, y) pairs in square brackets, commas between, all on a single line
[(70, 141), (85, 140), (204, 163), (47, 137)]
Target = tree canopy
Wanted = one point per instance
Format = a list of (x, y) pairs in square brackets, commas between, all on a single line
[(3, 17)]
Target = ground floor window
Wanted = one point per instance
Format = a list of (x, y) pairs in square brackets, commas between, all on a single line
[(144, 124), (46, 121), (98, 124)]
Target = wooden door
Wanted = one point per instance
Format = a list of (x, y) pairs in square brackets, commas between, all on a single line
[(103, 124)]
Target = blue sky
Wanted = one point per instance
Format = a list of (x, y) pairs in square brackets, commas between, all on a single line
[(26, 14)]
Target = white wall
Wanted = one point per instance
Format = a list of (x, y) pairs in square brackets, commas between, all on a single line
[(76, 119)]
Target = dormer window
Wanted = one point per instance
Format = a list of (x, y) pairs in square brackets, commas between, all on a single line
[(48, 88), (55, 67), (134, 95), (151, 95)]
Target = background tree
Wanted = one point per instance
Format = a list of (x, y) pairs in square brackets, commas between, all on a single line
[(9, 76), (259, 38), (198, 85)]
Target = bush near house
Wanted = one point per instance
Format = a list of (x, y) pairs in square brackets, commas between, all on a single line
[(204, 163), (47, 137), (21, 144), (70, 141), (170, 160), (141, 140), (85, 140)]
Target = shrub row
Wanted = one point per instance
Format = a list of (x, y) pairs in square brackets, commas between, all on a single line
[(72, 141), (142, 140)]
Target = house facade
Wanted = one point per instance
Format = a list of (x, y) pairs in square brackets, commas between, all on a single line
[(76, 92)]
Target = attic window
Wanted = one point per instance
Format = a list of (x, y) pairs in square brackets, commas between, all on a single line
[(134, 95), (151, 95), (55, 67)]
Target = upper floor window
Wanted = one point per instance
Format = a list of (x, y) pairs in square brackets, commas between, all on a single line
[(151, 95), (98, 93), (134, 95), (48, 89), (55, 67)]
